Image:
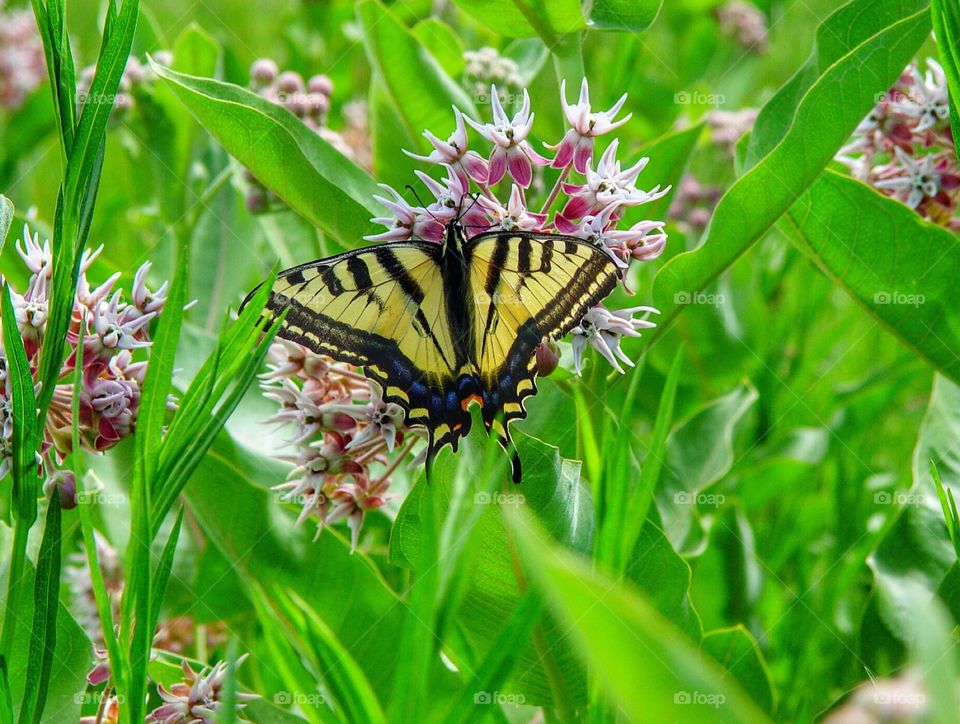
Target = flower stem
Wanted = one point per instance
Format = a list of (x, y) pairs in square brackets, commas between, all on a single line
[(556, 188)]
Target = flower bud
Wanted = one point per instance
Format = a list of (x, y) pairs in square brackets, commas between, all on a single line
[(548, 357), (263, 71)]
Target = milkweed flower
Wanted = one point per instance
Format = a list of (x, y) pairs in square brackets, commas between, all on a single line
[(576, 147), (745, 23), (603, 330), (110, 335), (511, 150), (198, 698), (904, 147), (22, 65), (455, 152)]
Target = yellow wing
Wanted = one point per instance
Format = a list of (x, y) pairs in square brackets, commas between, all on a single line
[(527, 287), (382, 308)]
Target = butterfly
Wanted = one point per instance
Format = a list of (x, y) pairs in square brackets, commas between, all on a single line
[(442, 326)]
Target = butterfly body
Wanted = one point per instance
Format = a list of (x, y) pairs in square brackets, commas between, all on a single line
[(442, 327)]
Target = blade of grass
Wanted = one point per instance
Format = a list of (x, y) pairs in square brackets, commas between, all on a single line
[(639, 503), (492, 672), (25, 481), (118, 663), (945, 15), (340, 671), (43, 638), (156, 385), (162, 575)]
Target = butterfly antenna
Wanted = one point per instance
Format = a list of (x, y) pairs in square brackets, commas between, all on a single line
[(423, 206)]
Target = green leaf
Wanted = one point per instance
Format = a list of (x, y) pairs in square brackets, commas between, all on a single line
[(443, 43), (861, 50), (699, 453), (312, 177), (341, 674), (917, 548), (668, 156), (638, 504), (526, 18), (24, 414), (69, 665), (553, 492), (630, 16), (6, 219), (907, 283), (43, 639), (162, 574), (625, 641), (737, 651), (419, 90), (946, 27), (492, 672)]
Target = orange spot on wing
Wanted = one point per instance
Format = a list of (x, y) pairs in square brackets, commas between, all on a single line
[(465, 403)]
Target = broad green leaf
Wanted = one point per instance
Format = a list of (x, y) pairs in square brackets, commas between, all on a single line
[(861, 50), (737, 651), (699, 453), (908, 282), (443, 43), (551, 490), (664, 576), (946, 27), (625, 15), (647, 667), (668, 156), (311, 176), (420, 91), (917, 548), (526, 18)]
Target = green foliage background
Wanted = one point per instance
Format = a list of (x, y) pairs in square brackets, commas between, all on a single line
[(745, 526)]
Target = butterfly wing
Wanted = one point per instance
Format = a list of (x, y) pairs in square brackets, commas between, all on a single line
[(527, 287), (383, 308)]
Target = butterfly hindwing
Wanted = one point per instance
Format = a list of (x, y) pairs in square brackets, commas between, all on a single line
[(527, 287)]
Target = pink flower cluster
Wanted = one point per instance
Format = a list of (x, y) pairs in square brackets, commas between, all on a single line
[(197, 699), (22, 67), (905, 148), (107, 331), (348, 441)]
